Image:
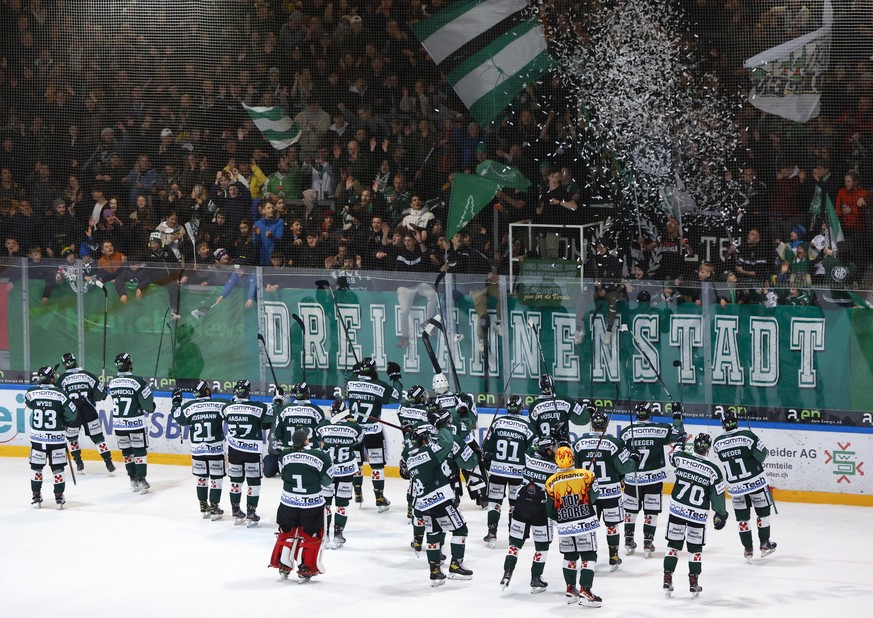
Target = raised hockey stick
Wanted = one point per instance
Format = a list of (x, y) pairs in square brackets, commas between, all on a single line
[(102, 286), (536, 331), (199, 313), (442, 327), (624, 329), (500, 401), (428, 346), (160, 346), (302, 326), (269, 360), (325, 284)]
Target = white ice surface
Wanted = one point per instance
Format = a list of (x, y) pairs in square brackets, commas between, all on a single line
[(114, 553)]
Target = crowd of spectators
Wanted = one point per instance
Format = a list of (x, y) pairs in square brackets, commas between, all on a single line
[(122, 129)]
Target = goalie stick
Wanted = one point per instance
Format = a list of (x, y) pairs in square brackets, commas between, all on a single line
[(299, 321), (441, 326)]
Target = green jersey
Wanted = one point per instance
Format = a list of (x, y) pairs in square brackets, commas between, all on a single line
[(340, 441), (51, 413), (430, 484), (300, 414), (305, 473), (608, 458), (742, 453), (133, 399), (411, 416), (367, 396), (699, 486), (80, 384), (247, 424), (508, 440), (205, 417), (538, 469), (550, 414), (650, 439)]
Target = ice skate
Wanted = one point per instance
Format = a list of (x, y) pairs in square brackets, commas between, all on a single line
[(144, 486), (693, 586), (359, 497), (60, 501), (283, 574), (252, 518), (458, 571), (588, 598), (80, 465), (491, 538), (204, 509), (215, 512), (537, 584), (416, 546), (767, 548), (304, 573), (504, 581), (649, 546), (437, 577), (630, 545), (37, 500), (614, 559), (134, 485), (668, 583), (338, 539), (239, 518), (110, 467), (382, 504), (572, 594), (748, 554)]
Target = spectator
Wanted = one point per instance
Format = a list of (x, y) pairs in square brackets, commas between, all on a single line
[(268, 234), (851, 206), (413, 257), (60, 229), (314, 123), (112, 266), (751, 260), (141, 179)]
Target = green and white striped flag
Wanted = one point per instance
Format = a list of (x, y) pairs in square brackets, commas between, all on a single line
[(835, 230), (275, 125), (488, 50)]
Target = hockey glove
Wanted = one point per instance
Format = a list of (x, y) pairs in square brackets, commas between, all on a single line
[(279, 391), (404, 471), (177, 398), (394, 371), (677, 411), (279, 400), (636, 456), (719, 521)]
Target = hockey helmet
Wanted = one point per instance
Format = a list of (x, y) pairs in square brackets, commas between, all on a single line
[(337, 407), (515, 404), (643, 410), (440, 383), (564, 457), (45, 375), (123, 362), (301, 391), (546, 447), (242, 389), (299, 438), (201, 389), (702, 443), (69, 360), (417, 394), (366, 367), (729, 420), (421, 435), (599, 420), (547, 384)]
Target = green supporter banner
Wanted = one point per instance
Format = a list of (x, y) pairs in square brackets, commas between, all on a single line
[(803, 364)]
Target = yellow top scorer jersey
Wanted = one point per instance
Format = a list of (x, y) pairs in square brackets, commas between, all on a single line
[(571, 501)]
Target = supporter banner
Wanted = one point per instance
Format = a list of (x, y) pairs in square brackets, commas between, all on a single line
[(793, 364)]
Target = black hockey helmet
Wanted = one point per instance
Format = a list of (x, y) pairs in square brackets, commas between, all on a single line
[(301, 391), (643, 410), (421, 435), (201, 389), (515, 404), (417, 394), (299, 438), (242, 389), (45, 375), (123, 362), (431, 405), (547, 384), (546, 447), (69, 360), (702, 443), (729, 420), (337, 407), (366, 367), (599, 420)]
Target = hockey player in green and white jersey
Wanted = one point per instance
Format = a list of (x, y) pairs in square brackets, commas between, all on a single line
[(699, 486), (610, 460), (367, 394), (551, 415), (300, 413), (247, 425), (742, 454), (411, 413), (133, 399), (340, 439), (204, 416), (52, 412), (643, 489), (508, 439), (85, 390), (530, 516), (305, 476)]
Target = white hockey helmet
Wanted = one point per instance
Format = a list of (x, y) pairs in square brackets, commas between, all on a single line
[(440, 383)]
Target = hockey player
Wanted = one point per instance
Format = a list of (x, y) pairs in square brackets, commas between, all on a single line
[(52, 412), (572, 493), (299, 414), (509, 438), (609, 459), (84, 389), (305, 475), (411, 413), (134, 401), (643, 488), (367, 394), (551, 415), (699, 486), (530, 517), (205, 418), (742, 452), (435, 499), (247, 425), (340, 439)]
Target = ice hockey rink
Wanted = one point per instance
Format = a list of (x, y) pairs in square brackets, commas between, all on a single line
[(112, 552)]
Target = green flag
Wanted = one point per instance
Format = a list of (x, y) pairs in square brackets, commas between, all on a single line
[(275, 125), (470, 194), (835, 230), (504, 175)]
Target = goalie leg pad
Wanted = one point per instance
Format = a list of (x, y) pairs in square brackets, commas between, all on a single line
[(285, 550)]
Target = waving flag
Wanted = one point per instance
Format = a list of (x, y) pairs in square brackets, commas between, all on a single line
[(275, 125), (488, 50), (470, 194)]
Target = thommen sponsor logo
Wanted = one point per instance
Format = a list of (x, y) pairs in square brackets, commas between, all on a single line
[(360, 386)]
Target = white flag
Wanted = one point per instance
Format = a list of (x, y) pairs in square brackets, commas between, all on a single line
[(275, 125), (788, 78)]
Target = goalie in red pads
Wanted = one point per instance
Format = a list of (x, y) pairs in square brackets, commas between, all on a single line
[(301, 509)]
